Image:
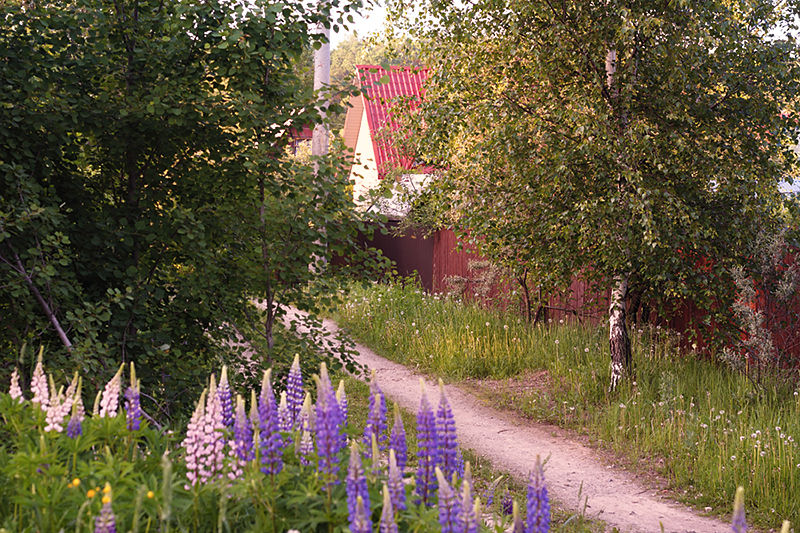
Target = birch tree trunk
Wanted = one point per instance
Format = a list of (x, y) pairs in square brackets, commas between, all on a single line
[(619, 342)]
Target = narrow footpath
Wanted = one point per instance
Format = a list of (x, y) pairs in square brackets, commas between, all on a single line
[(573, 470)]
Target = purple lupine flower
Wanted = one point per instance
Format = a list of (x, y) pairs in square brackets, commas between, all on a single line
[(397, 440), (538, 501), (110, 399), (133, 408), (356, 484), (388, 523), (39, 388), (15, 391), (226, 398), (446, 429), (271, 442), (449, 505), (376, 419), (284, 415), (106, 522), (467, 519), (294, 390), (738, 522), (428, 449), (397, 489), (360, 523), (330, 436), (341, 399), (306, 447), (243, 433)]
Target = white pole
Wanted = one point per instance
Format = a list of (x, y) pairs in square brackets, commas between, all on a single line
[(322, 78)]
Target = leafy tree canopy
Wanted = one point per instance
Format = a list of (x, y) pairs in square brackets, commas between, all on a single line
[(637, 143), (144, 195)]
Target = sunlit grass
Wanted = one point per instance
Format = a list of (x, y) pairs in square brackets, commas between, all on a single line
[(700, 422)]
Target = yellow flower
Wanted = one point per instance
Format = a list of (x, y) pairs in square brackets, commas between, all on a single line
[(106, 499), (150, 494), (76, 482), (90, 493), (107, 488)]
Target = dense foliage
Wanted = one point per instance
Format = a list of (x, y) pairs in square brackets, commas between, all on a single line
[(145, 198), (639, 144)]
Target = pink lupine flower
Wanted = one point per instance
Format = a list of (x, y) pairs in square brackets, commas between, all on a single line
[(214, 433), (15, 391), (193, 444), (60, 407), (109, 403), (41, 394)]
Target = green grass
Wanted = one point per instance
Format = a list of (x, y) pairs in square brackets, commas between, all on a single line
[(485, 474), (700, 424)]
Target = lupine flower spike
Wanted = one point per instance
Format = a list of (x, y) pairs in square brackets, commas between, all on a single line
[(449, 505), (397, 440), (294, 390), (341, 399), (738, 522), (428, 448), (376, 419), (446, 428), (110, 400), (60, 405), (388, 524), (467, 478), (538, 501), (329, 431), (106, 522), (284, 415), (306, 446), (226, 398), (271, 442), (470, 510), (133, 408), (242, 444), (242, 432), (194, 445), (356, 484), (16, 391), (39, 388), (397, 489), (75, 424), (518, 527), (361, 522), (214, 432)]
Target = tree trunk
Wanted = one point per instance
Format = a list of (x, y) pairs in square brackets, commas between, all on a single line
[(619, 342)]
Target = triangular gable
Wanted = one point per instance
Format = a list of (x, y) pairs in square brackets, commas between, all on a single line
[(378, 101)]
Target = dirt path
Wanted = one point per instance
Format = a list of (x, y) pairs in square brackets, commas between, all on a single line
[(513, 444)]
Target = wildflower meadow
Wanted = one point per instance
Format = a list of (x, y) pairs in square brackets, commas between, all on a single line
[(261, 461)]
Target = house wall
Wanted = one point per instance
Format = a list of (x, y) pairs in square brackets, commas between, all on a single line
[(364, 173)]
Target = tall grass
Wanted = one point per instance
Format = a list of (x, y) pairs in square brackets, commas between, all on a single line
[(700, 424)]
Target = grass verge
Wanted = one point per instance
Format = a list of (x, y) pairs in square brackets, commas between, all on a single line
[(700, 425)]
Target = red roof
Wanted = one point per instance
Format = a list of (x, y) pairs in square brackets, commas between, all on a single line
[(378, 102)]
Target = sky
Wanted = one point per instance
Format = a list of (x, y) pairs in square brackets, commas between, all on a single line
[(370, 23)]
